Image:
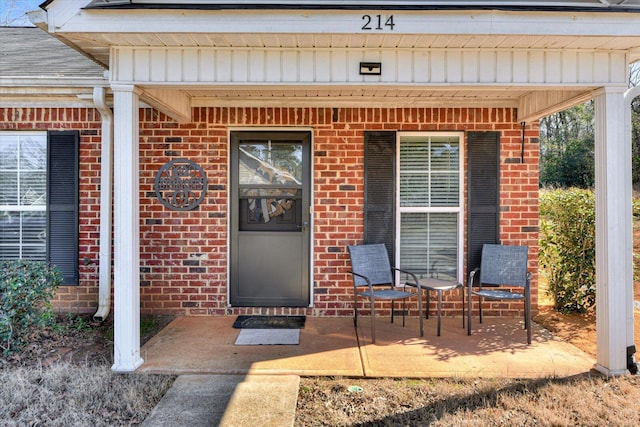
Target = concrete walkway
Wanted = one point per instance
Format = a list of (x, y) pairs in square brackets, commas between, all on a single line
[(224, 384), (228, 400)]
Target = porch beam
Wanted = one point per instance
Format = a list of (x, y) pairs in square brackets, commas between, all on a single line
[(536, 105), (454, 69), (351, 101), (173, 103), (126, 350), (614, 243)]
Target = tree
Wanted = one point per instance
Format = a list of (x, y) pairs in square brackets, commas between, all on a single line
[(12, 12), (567, 143), (567, 148), (634, 80)]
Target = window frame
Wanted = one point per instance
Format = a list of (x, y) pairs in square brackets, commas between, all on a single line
[(459, 209), (20, 208)]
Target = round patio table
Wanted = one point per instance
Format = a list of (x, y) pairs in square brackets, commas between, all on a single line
[(439, 286)]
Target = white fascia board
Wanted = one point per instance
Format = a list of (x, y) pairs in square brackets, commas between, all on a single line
[(408, 3), (42, 97), (48, 91), (351, 22), (44, 83), (59, 12), (70, 101)]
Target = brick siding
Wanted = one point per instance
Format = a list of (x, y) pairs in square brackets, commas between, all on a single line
[(183, 255)]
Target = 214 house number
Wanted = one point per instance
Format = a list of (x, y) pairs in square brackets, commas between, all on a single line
[(377, 22)]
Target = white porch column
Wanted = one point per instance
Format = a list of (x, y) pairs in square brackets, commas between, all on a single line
[(614, 239), (126, 230)]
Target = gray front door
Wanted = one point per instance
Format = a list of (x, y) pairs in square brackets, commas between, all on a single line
[(270, 233)]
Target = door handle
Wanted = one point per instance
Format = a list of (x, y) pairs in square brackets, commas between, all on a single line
[(304, 226)]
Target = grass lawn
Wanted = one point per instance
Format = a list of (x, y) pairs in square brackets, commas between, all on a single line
[(585, 400), (63, 378)]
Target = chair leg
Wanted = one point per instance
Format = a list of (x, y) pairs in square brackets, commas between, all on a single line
[(527, 314), (462, 308), (426, 316), (373, 321), (404, 310), (393, 309), (469, 313), (529, 327), (355, 310), (420, 315), (527, 311), (480, 299)]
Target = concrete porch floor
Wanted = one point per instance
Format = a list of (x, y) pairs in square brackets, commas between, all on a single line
[(331, 347)]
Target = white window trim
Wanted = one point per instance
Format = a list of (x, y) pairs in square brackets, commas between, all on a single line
[(458, 210)]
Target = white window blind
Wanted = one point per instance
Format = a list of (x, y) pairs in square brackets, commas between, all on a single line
[(429, 203)]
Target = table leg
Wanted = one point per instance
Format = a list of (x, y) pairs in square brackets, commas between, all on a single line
[(439, 309)]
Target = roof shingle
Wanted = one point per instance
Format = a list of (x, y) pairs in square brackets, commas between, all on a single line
[(30, 52)]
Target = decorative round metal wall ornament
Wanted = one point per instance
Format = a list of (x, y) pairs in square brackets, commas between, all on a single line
[(181, 185)]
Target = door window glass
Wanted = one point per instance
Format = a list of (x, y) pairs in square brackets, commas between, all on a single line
[(270, 185)]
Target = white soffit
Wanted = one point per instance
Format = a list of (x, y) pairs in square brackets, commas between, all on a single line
[(97, 45)]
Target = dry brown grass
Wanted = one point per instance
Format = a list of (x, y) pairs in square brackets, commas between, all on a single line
[(585, 400), (65, 394), (63, 378)]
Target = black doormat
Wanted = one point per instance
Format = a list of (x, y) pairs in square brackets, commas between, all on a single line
[(270, 322)]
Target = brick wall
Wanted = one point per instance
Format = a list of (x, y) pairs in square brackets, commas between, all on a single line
[(184, 254)]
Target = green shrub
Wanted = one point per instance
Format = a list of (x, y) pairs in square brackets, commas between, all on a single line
[(567, 247), (635, 205), (26, 290)]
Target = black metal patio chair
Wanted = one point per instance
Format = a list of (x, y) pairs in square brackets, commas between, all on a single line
[(502, 275), (373, 279)]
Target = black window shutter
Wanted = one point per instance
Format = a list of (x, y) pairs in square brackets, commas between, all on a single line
[(62, 203), (379, 189), (484, 193)]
